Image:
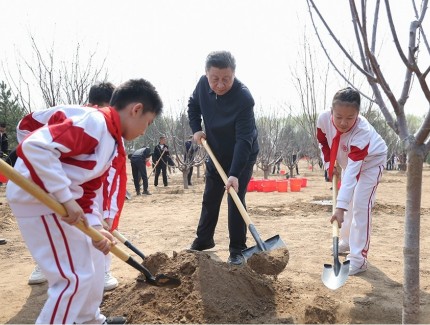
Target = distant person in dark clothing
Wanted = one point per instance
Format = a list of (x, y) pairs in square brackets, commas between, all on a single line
[(296, 163), (227, 109), (189, 157), (4, 142), (138, 168), (277, 164), (162, 156)]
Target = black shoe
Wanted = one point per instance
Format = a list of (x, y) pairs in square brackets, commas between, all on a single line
[(138, 193), (2, 241), (146, 193), (115, 320), (190, 184), (236, 259), (197, 246)]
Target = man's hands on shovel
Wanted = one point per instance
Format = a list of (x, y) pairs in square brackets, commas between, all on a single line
[(232, 181)]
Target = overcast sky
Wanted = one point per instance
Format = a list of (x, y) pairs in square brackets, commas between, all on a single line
[(167, 41)]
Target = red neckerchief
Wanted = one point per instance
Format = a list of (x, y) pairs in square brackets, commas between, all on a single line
[(335, 147), (114, 126)]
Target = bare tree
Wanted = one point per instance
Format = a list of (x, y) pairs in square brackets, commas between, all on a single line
[(270, 140), (59, 81), (311, 85), (417, 145)]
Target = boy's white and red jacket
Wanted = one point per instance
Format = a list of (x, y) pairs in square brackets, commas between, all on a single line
[(359, 148), (68, 150)]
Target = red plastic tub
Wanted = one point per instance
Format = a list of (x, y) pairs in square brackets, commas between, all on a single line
[(282, 185), (251, 186), (304, 182), (295, 184)]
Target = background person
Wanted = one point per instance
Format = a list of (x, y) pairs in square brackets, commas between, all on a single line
[(138, 161), (227, 109), (162, 159), (190, 151)]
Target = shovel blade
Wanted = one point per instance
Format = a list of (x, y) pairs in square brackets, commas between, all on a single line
[(270, 244), (334, 280)]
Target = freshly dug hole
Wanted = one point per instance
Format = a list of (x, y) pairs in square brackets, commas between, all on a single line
[(269, 262)]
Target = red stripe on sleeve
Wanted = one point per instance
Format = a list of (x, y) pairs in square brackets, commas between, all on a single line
[(324, 143), (357, 154), (28, 123)]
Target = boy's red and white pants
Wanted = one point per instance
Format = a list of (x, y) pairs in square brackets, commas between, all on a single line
[(73, 267)]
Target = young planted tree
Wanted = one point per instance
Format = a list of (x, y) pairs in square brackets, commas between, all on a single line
[(416, 145)]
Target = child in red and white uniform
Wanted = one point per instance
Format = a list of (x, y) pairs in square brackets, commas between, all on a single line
[(69, 158), (99, 96), (348, 138)]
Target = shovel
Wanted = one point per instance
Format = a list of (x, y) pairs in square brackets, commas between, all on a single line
[(334, 276), (272, 243), (124, 240), (32, 188)]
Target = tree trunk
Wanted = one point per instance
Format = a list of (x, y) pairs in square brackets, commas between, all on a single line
[(185, 177), (411, 249), (266, 173)]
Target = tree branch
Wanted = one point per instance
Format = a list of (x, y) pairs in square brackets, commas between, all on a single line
[(335, 39)]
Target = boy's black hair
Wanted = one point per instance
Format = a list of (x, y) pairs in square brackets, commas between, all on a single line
[(348, 96), (140, 91), (2, 125), (100, 93), (220, 60)]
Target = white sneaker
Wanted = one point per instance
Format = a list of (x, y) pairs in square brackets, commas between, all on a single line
[(37, 276), (353, 270), (110, 281), (343, 248)]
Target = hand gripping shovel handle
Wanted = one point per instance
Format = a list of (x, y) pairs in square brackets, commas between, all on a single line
[(235, 198), (33, 189), (124, 240)]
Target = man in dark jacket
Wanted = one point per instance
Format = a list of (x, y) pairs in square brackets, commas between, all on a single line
[(160, 158), (227, 109), (138, 168)]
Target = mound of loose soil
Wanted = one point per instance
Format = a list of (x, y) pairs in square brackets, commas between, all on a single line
[(210, 292)]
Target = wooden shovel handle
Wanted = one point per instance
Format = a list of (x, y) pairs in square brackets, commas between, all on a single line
[(335, 224), (35, 190), (231, 191)]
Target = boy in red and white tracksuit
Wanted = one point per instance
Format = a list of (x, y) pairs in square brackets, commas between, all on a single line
[(348, 138), (69, 158)]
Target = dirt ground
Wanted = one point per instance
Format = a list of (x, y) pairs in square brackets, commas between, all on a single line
[(163, 226)]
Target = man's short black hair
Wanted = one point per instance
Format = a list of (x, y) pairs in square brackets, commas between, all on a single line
[(220, 60), (137, 91), (100, 93)]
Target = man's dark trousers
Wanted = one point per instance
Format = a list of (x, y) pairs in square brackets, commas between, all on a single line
[(161, 168), (212, 197), (138, 169)]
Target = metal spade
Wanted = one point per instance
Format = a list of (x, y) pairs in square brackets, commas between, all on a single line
[(272, 243), (334, 276)]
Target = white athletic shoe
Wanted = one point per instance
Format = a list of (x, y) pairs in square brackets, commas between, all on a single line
[(110, 281), (343, 247), (353, 270), (37, 276)]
